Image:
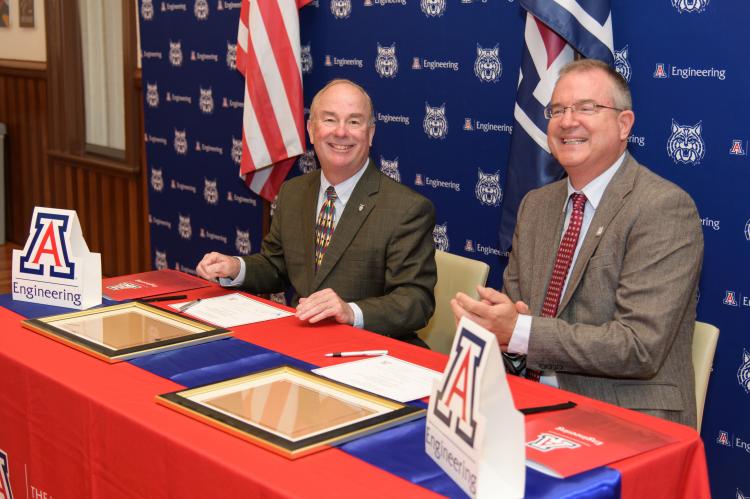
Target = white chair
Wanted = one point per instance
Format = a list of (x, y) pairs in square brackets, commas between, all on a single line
[(454, 273), (705, 337)]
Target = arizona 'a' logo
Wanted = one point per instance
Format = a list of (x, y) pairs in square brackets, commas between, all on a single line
[(433, 8), (488, 189), (743, 373), (737, 148), (723, 439), (622, 65), (690, 6), (455, 398), (440, 237), (206, 100), (469, 246), (147, 10), (435, 124), (390, 168), (180, 141), (152, 95), (48, 253), (210, 191), (157, 179), (487, 66), (242, 241), (546, 442), (175, 53), (184, 228), (160, 260), (200, 9), (686, 145), (386, 63), (659, 72), (307, 161), (5, 490), (237, 150), (232, 55), (730, 298), (341, 9), (306, 59)]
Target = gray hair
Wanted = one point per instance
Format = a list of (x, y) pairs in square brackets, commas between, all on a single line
[(620, 90)]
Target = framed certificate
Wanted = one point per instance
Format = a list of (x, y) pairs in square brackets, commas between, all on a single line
[(121, 332), (289, 411)]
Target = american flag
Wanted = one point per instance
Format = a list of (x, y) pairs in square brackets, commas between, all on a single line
[(555, 30), (268, 56)]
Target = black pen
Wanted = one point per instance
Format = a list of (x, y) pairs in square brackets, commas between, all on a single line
[(163, 298), (188, 305), (547, 408)]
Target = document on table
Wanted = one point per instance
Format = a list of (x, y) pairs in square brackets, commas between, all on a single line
[(232, 310), (384, 375)]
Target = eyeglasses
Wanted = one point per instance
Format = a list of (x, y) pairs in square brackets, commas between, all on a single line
[(585, 108), (352, 124)]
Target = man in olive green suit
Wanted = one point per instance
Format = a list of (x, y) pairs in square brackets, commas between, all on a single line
[(618, 324), (378, 270)]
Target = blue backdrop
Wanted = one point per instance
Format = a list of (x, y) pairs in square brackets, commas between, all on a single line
[(443, 75)]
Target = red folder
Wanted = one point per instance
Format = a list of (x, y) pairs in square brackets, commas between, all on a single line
[(155, 282)]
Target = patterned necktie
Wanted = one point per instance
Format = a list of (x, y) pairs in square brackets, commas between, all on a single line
[(324, 226), (562, 265)]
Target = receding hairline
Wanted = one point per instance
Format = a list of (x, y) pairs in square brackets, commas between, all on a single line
[(343, 81), (620, 89)]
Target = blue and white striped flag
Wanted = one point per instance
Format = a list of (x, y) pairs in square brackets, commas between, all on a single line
[(555, 30)]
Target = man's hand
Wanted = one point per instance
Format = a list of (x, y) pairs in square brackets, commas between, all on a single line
[(322, 305), (215, 265), (494, 311)]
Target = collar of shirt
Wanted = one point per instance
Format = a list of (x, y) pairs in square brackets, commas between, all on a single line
[(594, 190), (343, 192)]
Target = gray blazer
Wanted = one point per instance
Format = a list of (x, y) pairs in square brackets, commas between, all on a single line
[(624, 328), (381, 255)]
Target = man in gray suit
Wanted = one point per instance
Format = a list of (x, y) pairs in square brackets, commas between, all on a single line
[(378, 270), (616, 323)]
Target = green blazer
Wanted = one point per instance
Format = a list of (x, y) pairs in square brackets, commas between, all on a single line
[(624, 329), (381, 255)]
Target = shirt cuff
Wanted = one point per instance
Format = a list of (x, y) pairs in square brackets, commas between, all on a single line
[(359, 320), (237, 281), (519, 340)]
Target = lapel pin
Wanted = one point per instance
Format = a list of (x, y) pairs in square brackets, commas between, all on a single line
[(361, 207), (600, 231)]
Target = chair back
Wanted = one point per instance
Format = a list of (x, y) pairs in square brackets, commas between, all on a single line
[(454, 273), (705, 337)]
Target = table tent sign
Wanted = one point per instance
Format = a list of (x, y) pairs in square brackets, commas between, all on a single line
[(474, 432), (55, 267)]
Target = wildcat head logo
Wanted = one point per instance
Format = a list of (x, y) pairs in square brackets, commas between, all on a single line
[(435, 124), (306, 59), (341, 9), (160, 261), (232, 55), (488, 67), (488, 189), (690, 6), (278, 298), (157, 179), (152, 95), (386, 63), (242, 241), (237, 150), (741, 495), (200, 9), (432, 8), (747, 230), (206, 101), (175, 53), (743, 373), (184, 227), (210, 191), (147, 10), (5, 491), (180, 141), (440, 237), (307, 162), (622, 65), (546, 442), (685, 145), (390, 168)]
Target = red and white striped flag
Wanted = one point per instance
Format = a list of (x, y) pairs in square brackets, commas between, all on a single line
[(268, 56)]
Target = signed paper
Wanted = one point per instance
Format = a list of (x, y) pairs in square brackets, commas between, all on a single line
[(232, 310), (384, 375)]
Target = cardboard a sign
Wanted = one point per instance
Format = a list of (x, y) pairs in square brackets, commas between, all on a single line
[(55, 267), (474, 432)]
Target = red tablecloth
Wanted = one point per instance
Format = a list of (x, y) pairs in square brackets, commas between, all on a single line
[(74, 426)]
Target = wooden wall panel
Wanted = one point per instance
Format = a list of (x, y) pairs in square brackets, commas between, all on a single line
[(111, 204)]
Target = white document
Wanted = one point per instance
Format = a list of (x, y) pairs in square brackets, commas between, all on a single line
[(232, 310), (384, 375)]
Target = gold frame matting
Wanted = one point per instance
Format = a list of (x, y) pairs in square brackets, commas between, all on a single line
[(289, 411), (120, 332)]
